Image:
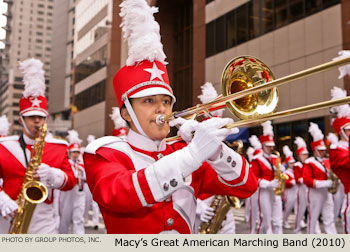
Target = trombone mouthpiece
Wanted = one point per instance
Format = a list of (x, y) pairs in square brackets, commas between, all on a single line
[(160, 120)]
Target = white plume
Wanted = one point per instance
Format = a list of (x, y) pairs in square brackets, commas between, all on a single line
[(254, 141), (267, 128), (343, 70), (119, 122), (300, 142), (250, 152), (287, 152), (73, 137), (315, 132), (342, 110), (333, 138), (90, 138), (4, 126), (33, 77), (141, 32), (208, 93)]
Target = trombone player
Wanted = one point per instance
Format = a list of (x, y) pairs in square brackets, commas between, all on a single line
[(15, 155)]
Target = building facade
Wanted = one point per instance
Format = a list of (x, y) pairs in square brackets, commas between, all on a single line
[(28, 35)]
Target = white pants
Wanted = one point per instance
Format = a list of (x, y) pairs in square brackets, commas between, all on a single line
[(90, 203), (320, 202), (290, 196), (270, 212), (301, 207), (253, 212), (72, 206), (338, 199), (345, 214), (4, 225)]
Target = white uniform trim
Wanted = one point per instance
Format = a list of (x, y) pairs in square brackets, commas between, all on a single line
[(9, 138), (101, 142), (14, 148), (317, 164), (244, 179), (138, 189), (266, 163)]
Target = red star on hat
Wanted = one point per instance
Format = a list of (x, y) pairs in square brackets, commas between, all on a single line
[(155, 72)]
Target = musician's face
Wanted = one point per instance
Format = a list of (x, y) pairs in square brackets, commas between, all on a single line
[(321, 153), (74, 155), (268, 149), (303, 157), (146, 110), (33, 124)]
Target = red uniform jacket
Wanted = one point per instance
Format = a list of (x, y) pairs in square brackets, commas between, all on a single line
[(121, 180), (298, 172), (290, 182), (262, 168), (315, 170), (13, 166), (340, 163)]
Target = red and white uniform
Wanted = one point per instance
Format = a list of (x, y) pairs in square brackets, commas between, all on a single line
[(290, 195), (340, 163), (269, 204), (301, 196), (135, 197), (12, 171), (319, 200), (72, 205)]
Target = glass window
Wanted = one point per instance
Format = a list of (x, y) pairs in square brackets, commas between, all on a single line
[(328, 3), (209, 1), (220, 35), (281, 13), (91, 96), (231, 30), (254, 18), (242, 24), (312, 6), (267, 15), (210, 39), (296, 10)]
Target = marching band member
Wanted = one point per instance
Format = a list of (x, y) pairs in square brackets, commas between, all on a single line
[(339, 196), (339, 156), (290, 193), (143, 184), (120, 125), (54, 170), (315, 177), (253, 200), (204, 213), (89, 202), (269, 204), (247, 209), (72, 203), (302, 155)]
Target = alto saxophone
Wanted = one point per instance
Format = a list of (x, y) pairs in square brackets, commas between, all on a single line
[(280, 176), (221, 204), (335, 182), (32, 191)]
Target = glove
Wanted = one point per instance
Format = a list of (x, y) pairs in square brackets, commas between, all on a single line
[(186, 129), (323, 183), (50, 176), (268, 184), (300, 180), (204, 211), (7, 205)]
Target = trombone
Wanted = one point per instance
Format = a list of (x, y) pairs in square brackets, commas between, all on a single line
[(250, 93)]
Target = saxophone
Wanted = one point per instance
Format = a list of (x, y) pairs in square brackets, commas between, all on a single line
[(335, 182), (32, 192), (221, 204), (280, 176)]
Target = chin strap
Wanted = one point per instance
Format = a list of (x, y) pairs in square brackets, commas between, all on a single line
[(25, 127), (344, 135), (133, 117)]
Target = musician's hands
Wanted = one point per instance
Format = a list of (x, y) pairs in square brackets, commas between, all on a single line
[(204, 211), (186, 128), (268, 184), (49, 175), (8, 207), (323, 183)]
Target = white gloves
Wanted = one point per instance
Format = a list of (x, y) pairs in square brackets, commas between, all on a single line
[(323, 183), (186, 129), (50, 176), (268, 184), (204, 211), (7, 205), (301, 180)]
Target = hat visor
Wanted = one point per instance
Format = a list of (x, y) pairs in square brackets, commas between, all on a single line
[(347, 126), (321, 148), (154, 91), (34, 113), (270, 144), (74, 149), (304, 152)]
